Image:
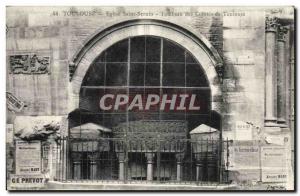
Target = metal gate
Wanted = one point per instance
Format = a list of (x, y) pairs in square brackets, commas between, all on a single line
[(114, 160)]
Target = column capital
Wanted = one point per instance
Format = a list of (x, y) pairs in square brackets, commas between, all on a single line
[(179, 157), (149, 157), (291, 61), (282, 31), (271, 24), (121, 157)]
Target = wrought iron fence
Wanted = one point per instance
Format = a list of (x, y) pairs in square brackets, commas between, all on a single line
[(183, 161)]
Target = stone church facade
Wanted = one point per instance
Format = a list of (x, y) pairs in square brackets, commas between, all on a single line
[(62, 60)]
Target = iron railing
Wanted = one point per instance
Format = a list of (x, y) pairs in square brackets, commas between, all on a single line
[(183, 161)]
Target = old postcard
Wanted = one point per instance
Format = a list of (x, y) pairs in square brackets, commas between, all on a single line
[(150, 98)]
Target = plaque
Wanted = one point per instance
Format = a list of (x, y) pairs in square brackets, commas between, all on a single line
[(28, 157), (274, 164)]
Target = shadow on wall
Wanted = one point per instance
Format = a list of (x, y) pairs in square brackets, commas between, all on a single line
[(215, 35)]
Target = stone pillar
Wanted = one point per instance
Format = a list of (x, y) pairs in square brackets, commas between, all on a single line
[(77, 158), (200, 162), (55, 167), (64, 159), (50, 160), (150, 157), (291, 92), (77, 170), (93, 165), (179, 158), (288, 49), (121, 157), (121, 170), (270, 74), (212, 163), (199, 171), (93, 170), (281, 78), (178, 174)]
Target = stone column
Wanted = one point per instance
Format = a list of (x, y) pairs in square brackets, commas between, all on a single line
[(93, 170), (50, 160), (200, 161), (291, 92), (65, 158), (56, 162), (77, 170), (121, 170), (212, 162), (281, 78), (270, 74), (179, 158), (121, 157), (93, 157), (178, 174), (199, 171), (77, 157), (150, 157)]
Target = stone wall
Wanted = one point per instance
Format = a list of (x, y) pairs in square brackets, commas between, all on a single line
[(244, 57), (29, 32), (59, 34)]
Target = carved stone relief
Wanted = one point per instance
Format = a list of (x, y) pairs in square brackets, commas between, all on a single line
[(29, 64)]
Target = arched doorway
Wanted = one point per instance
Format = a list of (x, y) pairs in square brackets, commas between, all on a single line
[(138, 67)]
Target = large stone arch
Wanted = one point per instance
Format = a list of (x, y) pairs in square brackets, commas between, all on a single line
[(202, 50)]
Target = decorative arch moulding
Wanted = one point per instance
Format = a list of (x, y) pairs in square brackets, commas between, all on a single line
[(146, 27), (202, 50)]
